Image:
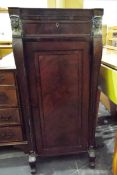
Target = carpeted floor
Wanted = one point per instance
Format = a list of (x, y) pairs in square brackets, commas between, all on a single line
[(14, 162)]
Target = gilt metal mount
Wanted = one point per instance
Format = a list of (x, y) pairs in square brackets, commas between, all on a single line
[(16, 25), (97, 25)]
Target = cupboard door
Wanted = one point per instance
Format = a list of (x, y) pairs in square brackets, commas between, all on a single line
[(58, 75)]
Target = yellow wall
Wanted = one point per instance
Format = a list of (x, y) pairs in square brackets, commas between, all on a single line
[(51, 3), (65, 3), (5, 51), (108, 79), (5, 43), (60, 3), (73, 3)]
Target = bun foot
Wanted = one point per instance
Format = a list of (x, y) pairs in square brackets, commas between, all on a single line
[(32, 162), (91, 157)]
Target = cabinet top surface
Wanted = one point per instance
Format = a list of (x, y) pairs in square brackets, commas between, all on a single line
[(57, 11)]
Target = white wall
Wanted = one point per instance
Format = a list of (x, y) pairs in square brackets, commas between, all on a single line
[(110, 9), (24, 3), (5, 27)]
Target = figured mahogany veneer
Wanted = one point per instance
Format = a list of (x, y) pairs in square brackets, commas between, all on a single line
[(58, 56), (8, 96), (9, 116), (10, 134), (7, 78)]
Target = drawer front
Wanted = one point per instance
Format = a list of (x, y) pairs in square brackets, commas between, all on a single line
[(10, 134), (9, 116), (8, 96), (57, 28), (7, 78)]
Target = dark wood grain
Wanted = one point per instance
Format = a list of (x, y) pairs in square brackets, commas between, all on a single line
[(7, 77), (8, 96), (96, 62), (10, 134), (9, 116), (57, 54), (12, 128), (57, 88), (56, 27)]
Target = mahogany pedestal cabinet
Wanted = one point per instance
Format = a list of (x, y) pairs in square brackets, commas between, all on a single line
[(58, 54)]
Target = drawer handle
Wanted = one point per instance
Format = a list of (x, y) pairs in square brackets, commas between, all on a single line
[(6, 135), (2, 78), (6, 118), (57, 25)]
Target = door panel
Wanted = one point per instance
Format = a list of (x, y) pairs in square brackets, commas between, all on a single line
[(58, 96)]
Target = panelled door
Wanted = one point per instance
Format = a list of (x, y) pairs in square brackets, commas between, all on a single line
[(58, 78)]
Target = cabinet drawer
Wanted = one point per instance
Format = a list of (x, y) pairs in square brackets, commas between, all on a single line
[(57, 28), (10, 134), (7, 78), (8, 96), (9, 116)]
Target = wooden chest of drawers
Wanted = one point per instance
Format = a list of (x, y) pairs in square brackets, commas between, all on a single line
[(11, 125)]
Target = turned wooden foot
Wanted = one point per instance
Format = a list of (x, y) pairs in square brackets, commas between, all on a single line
[(91, 157), (32, 162)]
